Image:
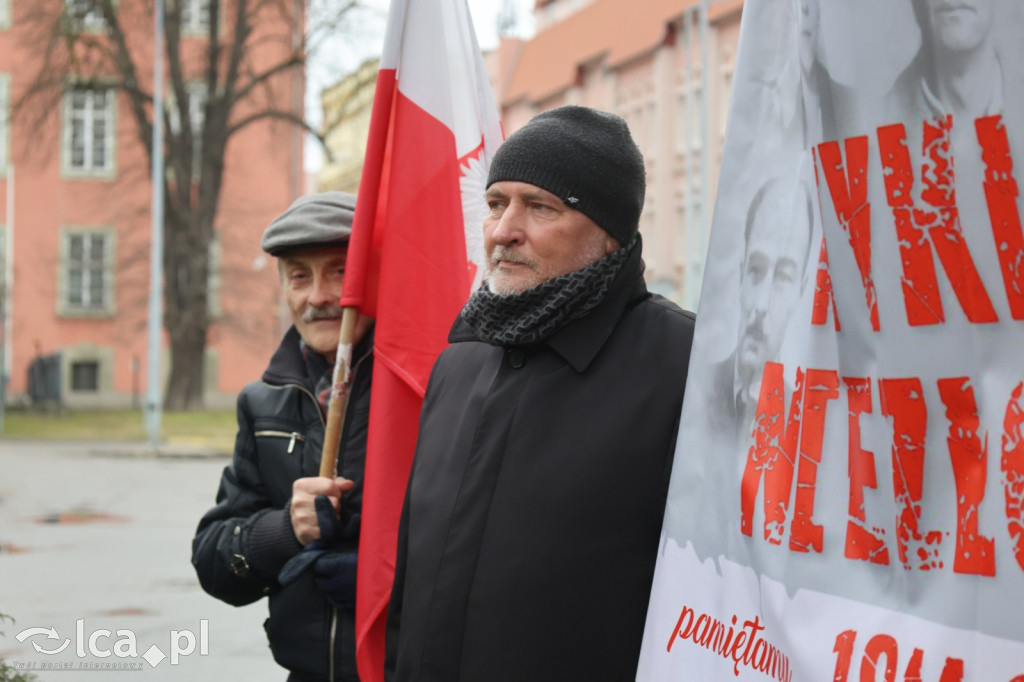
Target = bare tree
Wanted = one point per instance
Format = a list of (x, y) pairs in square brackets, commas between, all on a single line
[(245, 66)]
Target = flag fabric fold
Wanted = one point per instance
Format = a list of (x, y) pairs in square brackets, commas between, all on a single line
[(415, 255)]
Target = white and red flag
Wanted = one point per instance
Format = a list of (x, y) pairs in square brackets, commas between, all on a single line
[(415, 256), (847, 497)]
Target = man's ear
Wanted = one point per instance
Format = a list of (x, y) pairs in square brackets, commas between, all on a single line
[(611, 244)]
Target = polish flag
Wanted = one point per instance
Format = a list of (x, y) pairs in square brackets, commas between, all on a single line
[(415, 256)]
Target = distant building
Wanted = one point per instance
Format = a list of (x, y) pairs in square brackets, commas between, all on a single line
[(644, 62), (346, 125), (75, 210)]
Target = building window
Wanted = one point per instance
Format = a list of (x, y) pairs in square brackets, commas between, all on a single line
[(688, 118), (197, 96), (682, 121), (637, 125), (89, 131), (724, 100), (87, 272), (84, 15), (195, 17), (5, 14), (213, 278), (85, 376), (696, 117)]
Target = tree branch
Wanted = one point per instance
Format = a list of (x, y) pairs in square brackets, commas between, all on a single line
[(280, 115)]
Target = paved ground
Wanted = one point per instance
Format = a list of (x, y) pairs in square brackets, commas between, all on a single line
[(127, 572)]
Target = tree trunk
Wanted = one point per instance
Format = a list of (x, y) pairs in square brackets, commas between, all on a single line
[(185, 381), (186, 272)]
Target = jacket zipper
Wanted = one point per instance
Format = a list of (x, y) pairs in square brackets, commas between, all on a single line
[(323, 422), (295, 436), (334, 636)]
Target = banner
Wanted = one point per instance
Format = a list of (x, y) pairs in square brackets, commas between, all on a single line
[(416, 254), (847, 498)]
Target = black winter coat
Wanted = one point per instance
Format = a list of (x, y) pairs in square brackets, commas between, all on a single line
[(534, 509), (242, 543)]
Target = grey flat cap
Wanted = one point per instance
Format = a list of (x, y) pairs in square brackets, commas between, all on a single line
[(323, 219)]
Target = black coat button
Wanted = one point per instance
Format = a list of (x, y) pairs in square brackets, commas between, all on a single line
[(515, 357)]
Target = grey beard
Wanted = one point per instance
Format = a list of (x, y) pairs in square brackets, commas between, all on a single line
[(535, 314)]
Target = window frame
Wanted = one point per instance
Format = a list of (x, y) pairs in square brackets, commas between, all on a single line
[(109, 170), (198, 96), (67, 309), (90, 22), (190, 23), (84, 362)]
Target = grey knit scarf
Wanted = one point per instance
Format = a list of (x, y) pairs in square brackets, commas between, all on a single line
[(535, 314)]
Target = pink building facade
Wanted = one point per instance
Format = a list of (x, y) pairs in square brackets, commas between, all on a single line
[(75, 199)]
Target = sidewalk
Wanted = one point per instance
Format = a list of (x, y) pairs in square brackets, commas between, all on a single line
[(101, 532)]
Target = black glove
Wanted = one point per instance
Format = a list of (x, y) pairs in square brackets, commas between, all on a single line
[(334, 570)]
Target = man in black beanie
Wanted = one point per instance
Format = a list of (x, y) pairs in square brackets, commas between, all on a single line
[(531, 522)]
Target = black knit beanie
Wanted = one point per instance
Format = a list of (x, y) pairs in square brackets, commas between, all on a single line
[(585, 157)]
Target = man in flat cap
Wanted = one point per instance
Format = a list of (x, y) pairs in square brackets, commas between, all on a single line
[(272, 502), (531, 522)]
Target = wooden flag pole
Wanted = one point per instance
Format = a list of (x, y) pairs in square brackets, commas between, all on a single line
[(340, 383)]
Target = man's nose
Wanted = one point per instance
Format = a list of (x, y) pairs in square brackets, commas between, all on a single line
[(322, 293), (509, 229), (763, 296)]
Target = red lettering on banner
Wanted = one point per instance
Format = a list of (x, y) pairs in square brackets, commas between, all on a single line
[(1012, 467), (823, 298), (821, 386), (975, 553), (849, 192), (772, 454), (913, 673), (878, 646), (744, 645), (936, 220), (920, 287), (885, 645), (953, 672), (1001, 194), (844, 654), (862, 543), (777, 440), (903, 400)]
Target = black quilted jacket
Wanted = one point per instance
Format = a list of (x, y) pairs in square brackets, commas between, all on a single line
[(242, 543)]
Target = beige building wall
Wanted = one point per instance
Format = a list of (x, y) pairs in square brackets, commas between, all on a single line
[(347, 106)]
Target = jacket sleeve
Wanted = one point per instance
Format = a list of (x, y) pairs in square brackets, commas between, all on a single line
[(229, 565)]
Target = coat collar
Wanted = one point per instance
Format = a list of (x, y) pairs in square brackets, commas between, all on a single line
[(579, 341), (287, 366)]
